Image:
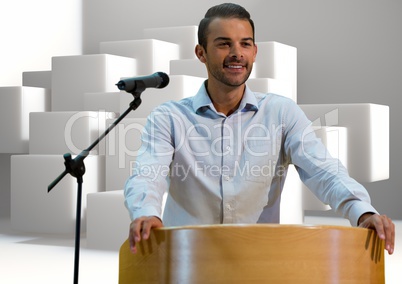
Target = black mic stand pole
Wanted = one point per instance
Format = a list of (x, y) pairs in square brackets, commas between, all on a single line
[(76, 168)]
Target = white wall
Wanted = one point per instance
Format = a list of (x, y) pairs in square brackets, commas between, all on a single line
[(348, 51), (34, 31)]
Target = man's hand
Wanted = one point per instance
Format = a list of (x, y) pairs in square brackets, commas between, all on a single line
[(383, 225), (140, 228)]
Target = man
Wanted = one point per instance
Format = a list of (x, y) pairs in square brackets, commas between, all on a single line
[(223, 154)]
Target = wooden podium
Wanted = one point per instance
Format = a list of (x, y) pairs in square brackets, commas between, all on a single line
[(255, 254)]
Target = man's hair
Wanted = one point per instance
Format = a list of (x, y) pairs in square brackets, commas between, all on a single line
[(226, 11)]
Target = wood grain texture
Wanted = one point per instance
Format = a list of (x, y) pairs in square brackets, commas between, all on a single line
[(255, 254)]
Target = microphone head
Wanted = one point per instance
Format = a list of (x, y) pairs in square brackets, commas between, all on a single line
[(121, 85), (165, 79)]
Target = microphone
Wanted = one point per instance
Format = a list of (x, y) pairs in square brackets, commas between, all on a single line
[(139, 84)]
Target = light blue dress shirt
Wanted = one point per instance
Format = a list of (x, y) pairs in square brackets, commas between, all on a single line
[(231, 169)]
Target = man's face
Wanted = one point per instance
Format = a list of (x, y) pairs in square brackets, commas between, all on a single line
[(230, 52)]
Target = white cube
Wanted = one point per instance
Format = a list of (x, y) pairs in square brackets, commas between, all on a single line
[(278, 61), (122, 146), (109, 102), (73, 76), (151, 55), (16, 103), (66, 132), (185, 37), (368, 136), (5, 174), (39, 79), (108, 220), (269, 85), (34, 209), (291, 207), (190, 67), (179, 87)]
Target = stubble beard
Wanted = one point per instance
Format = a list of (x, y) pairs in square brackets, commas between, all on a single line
[(236, 82)]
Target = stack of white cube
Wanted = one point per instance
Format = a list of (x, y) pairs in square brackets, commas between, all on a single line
[(64, 110), (67, 128)]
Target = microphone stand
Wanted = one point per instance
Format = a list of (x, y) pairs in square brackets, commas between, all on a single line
[(76, 168)]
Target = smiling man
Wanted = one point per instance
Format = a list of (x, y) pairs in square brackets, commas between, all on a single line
[(228, 148)]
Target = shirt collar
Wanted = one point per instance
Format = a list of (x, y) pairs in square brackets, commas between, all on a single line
[(202, 101)]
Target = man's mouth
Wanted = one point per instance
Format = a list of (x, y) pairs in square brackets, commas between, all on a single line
[(234, 66)]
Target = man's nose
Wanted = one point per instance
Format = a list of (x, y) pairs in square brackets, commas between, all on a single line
[(236, 51)]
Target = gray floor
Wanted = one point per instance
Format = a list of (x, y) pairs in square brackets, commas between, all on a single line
[(34, 258)]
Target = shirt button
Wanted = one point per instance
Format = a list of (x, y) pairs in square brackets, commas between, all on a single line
[(227, 178), (228, 148), (228, 207)]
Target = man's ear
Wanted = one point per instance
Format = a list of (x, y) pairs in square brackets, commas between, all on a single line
[(255, 52), (200, 52)]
